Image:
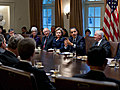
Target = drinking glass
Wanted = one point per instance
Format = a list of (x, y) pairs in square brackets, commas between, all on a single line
[(37, 64), (74, 55), (116, 63), (57, 68), (83, 71)]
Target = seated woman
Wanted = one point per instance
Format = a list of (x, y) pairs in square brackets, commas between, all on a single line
[(87, 33), (58, 41), (34, 36)]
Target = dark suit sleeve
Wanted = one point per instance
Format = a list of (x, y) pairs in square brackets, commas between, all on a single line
[(54, 43), (107, 47), (42, 80), (118, 52), (38, 42), (81, 46)]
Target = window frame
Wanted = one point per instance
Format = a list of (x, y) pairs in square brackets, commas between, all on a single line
[(88, 4), (52, 7)]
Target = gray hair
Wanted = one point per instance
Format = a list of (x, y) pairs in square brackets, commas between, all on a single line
[(33, 29), (26, 48), (13, 41), (99, 32)]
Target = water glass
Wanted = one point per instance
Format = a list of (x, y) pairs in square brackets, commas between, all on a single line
[(116, 63), (83, 71)]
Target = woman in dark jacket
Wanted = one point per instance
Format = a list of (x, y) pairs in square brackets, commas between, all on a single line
[(58, 41), (34, 36)]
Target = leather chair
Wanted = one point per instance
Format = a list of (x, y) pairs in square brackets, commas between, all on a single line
[(89, 42), (114, 48), (26, 35), (15, 79), (40, 37), (68, 83)]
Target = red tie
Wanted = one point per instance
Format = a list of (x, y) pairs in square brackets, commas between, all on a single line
[(45, 43)]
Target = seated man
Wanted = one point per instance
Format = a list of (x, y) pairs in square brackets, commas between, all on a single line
[(26, 50), (76, 42), (47, 40), (102, 42), (9, 57), (97, 62), (11, 33), (2, 44), (24, 30)]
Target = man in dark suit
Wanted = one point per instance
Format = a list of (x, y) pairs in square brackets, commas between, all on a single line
[(118, 52), (47, 40), (9, 56), (76, 42), (11, 33), (97, 62), (102, 42), (26, 50), (2, 44)]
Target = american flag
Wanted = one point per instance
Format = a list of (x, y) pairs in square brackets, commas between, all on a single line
[(111, 21)]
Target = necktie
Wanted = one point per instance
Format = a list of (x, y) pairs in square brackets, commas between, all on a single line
[(45, 43)]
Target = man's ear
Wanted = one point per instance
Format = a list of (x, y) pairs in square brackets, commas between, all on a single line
[(33, 54), (105, 62)]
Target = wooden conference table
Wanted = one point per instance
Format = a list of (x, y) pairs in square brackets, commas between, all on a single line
[(68, 67)]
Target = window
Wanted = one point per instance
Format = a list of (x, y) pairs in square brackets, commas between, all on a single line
[(48, 13), (94, 15)]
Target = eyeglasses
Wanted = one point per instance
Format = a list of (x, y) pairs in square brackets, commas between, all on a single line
[(45, 31)]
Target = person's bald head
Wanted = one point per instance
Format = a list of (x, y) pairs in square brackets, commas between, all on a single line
[(46, 32)]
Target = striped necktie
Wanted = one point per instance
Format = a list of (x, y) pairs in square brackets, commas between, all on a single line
[(45, 43)]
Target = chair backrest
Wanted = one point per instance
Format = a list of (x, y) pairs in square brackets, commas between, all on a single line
[(15, 79), (114, 48), (26, 35), (40, 37), (89, 42), (68, 83)]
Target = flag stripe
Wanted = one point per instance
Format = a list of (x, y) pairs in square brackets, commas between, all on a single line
[(111, 20)]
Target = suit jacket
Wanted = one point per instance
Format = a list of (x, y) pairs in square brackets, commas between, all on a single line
[(80, 45), (8, 58), (43, 82), (59, 44), (96, 75), (106, 45), (48, 43), (7, 38), (37, 40), (118, 52)]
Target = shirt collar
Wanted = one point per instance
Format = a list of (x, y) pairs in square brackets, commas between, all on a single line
[(12, 52), (99, 42), (48, 36), (74, 39), (26, 61)]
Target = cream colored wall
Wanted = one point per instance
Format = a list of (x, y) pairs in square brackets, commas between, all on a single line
[(19, 14), (66, 21), (4, 10), (22, 16)]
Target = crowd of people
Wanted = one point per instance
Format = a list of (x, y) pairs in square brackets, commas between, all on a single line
[(57, 38)]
